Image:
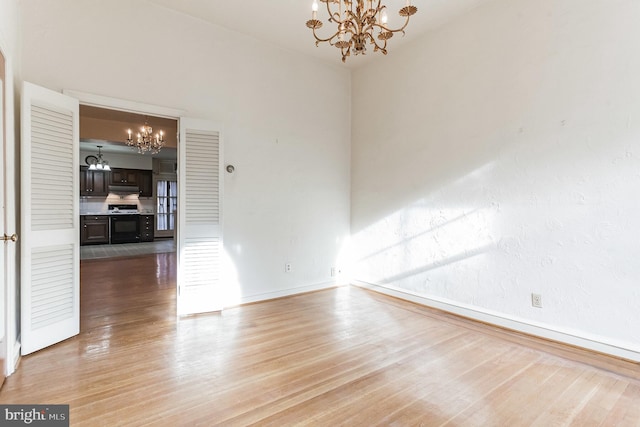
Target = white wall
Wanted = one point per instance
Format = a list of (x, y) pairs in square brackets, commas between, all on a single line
[(288, 200), (499, 156)]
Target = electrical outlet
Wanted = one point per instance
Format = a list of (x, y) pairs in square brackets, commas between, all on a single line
[(287, 268), (333, 272), (536, 300)]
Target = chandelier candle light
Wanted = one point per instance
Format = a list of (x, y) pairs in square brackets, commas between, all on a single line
[(357, 22), (146, 141)]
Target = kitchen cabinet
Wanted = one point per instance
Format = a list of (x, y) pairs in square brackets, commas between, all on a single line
[(93, 182), (147, 228), (94, 229), (145, 183), (124, 177)]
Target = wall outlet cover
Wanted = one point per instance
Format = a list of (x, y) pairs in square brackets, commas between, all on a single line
[(536, 300)]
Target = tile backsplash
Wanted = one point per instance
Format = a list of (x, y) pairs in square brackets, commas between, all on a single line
[(100, 205)]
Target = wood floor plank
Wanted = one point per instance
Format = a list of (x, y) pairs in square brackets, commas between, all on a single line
[(343, 356), (600, 402), (626, 411)]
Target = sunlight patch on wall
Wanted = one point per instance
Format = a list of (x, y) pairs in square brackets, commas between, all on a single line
[(424, 245)]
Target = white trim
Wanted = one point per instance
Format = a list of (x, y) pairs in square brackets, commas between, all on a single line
[(123, 104), (12, 343), (593, 342), (16, 355), (287, 292)]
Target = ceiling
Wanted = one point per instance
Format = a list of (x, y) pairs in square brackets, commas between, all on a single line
[(108, 128), (282, 22)]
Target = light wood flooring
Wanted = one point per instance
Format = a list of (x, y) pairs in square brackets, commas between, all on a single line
[(343, 356)]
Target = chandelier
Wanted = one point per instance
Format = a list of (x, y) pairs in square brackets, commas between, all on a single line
[(358, 21), (146, 141), (98, 163)]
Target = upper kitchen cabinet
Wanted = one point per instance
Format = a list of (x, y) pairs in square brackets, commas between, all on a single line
[(93, 182), (145, 183), (124, 177)]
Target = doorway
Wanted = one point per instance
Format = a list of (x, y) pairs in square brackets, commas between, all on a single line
[(47, 113), (131, 182), (108, 128)]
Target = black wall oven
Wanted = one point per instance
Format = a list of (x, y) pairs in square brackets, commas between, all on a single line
[(125, 228)]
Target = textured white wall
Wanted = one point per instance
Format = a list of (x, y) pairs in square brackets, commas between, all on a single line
[(288, 200), (500, 156)]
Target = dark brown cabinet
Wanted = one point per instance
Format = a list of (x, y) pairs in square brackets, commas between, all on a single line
[(124, 177), (94, 229), (147, 227), (93, 182), (145, 183), (96, 183)]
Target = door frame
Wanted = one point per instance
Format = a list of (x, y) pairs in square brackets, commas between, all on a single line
[(9, 280), (3, 208), (130, 107), (124, 105), (100, 101)]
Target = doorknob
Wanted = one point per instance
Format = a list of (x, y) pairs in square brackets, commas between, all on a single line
[(13, 238)]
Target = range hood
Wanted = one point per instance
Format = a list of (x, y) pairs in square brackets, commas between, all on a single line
[(124, 189)]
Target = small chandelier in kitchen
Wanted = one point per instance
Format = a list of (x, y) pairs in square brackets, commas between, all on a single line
[(146, 141), (99, 163), (357, 21)]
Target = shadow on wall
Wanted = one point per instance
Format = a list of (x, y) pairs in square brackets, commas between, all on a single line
[(429, 246)]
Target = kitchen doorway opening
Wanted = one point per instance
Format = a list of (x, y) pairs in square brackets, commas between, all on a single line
[(105, 121), (138, 183)]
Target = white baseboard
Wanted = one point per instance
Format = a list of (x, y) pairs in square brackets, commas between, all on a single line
[(288, 292), (11, 368), (576, 338)]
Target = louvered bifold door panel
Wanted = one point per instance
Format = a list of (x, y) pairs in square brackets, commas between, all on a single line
[(50, 288), (199, 213), (52, 285), (52, 168), (203, 183)]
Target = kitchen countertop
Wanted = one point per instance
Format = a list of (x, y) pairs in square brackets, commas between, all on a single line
[(120, 213)]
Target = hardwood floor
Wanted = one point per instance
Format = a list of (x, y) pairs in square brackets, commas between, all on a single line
[(343, 356)]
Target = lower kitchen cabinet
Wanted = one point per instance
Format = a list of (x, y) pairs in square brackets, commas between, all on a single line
[(94, 229), (147, 228)]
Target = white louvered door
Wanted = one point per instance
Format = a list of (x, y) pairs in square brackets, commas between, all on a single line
[(199, 217), (50, 290)]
